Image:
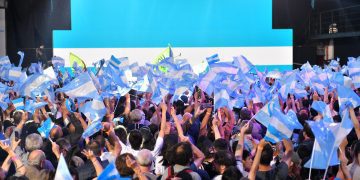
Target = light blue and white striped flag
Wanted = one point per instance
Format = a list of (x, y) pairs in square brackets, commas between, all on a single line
[(14, 74), (62, 170), (93, 128), (82, 87), (4, 60), (35, 85), (324, 147), (244, 64), (110, 172), (221, 98), (19, 103), (213, 59), (45, 128), (57, 61), (94, 110), (280, 127), (347, 97), (264, 114), (354, 72)]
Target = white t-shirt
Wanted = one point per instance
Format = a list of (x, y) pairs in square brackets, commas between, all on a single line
[(158, 145), (159, 168)]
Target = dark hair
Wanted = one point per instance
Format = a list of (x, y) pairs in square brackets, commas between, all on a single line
[(221, 145), (180, 154), (231, 173), (336, 106), (121, 166), (266, 155), (63, 143), (135, 139), (148, 138), (224, 158), (170, 140), (101, 140), (307, 130), (313, 113), (246, 154), (306, 103), (122, 134), (205, 146), (94, 146), (245, 114)]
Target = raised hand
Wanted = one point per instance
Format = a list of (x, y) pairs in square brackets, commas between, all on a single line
[(89, 154)]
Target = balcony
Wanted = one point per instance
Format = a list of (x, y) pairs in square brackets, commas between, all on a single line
[(338, 23)]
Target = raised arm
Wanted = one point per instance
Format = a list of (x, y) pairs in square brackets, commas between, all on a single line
[(163, 120), (20, 168), (343, 172), (199, 155), (177, 124), (114, 141), (288, 151), (205, 121), (127, 104), (215, 128), (240, 146), (256, 162), (90, 155)]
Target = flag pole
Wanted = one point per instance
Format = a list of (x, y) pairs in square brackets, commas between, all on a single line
[(327, 165), (311, 160)]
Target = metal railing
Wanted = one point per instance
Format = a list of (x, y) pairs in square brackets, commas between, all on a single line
[(343, 22)]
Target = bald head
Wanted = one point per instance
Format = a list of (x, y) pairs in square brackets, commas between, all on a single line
[(145, 157), (36, 158)]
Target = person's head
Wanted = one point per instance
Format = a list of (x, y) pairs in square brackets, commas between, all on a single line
[(245, 114), (20, 115), (307, 132), (266, 155), (148, 138), (181, 154), (64, 145), (33, 142), (221, 145), (37, 158), (303, 116), (247, 160), (94, 146), (231, 173), (135, 139), (169, 141), (145, 158), (121, 166), (121, 132), (56, 132), (223, 160), (206, 146), (136, 115), (313, 113)]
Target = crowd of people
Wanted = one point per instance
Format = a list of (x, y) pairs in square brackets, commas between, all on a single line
[(184, 138)]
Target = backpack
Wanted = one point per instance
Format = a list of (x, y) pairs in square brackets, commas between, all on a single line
[(171, 173)]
